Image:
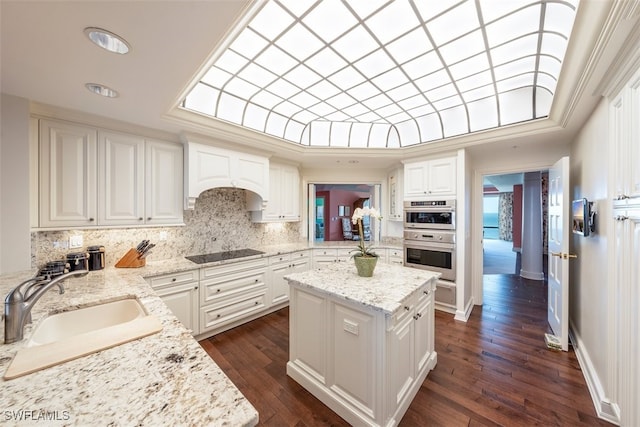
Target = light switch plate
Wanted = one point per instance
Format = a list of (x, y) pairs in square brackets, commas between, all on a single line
[(75, 241)]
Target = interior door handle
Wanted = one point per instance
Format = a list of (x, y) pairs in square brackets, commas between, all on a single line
[(563, 255)]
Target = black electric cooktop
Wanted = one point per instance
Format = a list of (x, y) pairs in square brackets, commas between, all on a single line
[(220, 256)]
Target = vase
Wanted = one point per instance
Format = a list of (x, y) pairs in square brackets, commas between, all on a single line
[(365, 265)]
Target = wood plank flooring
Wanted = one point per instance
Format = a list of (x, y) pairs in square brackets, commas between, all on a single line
[(494, 370)]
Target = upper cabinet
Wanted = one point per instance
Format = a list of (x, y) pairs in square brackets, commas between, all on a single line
[(68, 175), (430, 178), (625, 132), (121, 183), (396, 193), (212, 167), (163, 182), (90, 177), (284, 196)]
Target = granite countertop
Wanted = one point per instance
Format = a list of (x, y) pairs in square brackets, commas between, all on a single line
[(162, 379), (385, 291), (175, 265)]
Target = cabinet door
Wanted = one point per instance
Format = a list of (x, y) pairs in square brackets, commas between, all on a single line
[(442, 177), (279, 286), (290, 193), (183, 303), (424, 338), (415, 179), (273, 210), (68, 172), (164, 183), (634, 146), (120, 179), (402, 359)]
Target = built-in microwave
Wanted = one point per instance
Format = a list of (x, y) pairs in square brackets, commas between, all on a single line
[(430, 214)]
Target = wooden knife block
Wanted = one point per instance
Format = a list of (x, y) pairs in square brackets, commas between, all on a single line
[(131, 260)]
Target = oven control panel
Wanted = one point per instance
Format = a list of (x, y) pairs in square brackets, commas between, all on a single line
[(430, 236)]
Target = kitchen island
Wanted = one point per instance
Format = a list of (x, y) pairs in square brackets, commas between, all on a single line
[(362, 345)]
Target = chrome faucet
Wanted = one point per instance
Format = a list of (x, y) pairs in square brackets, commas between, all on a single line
[(18, 303)]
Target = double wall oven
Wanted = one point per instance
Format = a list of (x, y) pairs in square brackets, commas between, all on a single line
[(430, 236)]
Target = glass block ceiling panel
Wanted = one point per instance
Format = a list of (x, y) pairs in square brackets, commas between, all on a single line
[(386, 73)]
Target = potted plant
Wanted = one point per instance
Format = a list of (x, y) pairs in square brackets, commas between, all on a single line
[(364, 258)]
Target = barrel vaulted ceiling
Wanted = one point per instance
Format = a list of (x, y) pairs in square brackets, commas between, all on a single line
[(315, 81), (353, 73)]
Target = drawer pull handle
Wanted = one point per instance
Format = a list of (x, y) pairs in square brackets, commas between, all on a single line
[(407, 308), (174, 279), (257, 302), (217, 291), (219, 316), (256, 281), (426, 292)]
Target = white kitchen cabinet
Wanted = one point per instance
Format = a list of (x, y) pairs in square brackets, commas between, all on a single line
[(68, 174), (284, 196), (365, 364), (394, 256), (179, 291), (331, 255), (213, 167), (163, 183), (430, 178), (624, 111), (396, 195), (232, 294), (120, 179), (93, 177), (281, 265), (411, 344)]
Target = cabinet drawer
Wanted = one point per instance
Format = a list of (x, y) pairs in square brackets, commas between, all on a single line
[(446, 293), (329, 252), (232, 284), (217, 315), (222, 270), (173, 279)]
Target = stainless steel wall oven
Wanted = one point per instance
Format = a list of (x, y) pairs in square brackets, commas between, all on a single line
[(433, 250)]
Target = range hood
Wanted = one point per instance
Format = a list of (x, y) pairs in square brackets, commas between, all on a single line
[(209, 167)]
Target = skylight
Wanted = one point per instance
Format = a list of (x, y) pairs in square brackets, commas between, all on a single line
[(355, 73)]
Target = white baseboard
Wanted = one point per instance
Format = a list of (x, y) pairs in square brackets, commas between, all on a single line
[(463, 316), (605, 409)]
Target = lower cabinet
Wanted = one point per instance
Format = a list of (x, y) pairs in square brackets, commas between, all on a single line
[(280, 266), (330, 255), (213, 299), (179, 292), (411, 344), (231, 293), (364, 365)]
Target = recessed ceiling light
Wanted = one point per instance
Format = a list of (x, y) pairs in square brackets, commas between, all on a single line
[(107, 40), (101, 90)]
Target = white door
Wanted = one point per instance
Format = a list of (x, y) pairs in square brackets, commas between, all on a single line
[(558, 236)]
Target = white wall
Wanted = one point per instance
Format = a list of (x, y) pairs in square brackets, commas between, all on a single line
[(15, 240), (588, 273)]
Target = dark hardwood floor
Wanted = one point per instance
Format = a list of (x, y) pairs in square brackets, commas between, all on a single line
[(493, 370)]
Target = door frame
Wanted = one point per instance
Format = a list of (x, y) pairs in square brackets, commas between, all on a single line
[(477, 192)]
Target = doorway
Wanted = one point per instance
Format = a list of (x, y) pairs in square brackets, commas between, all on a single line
[(501, 223), (321, 219), (332, 205), (498, 224)]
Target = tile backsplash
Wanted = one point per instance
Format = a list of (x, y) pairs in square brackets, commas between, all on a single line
[(220, 221)]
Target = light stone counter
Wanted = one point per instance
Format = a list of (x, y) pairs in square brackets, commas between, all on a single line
[(385, 291), (162, 379)]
